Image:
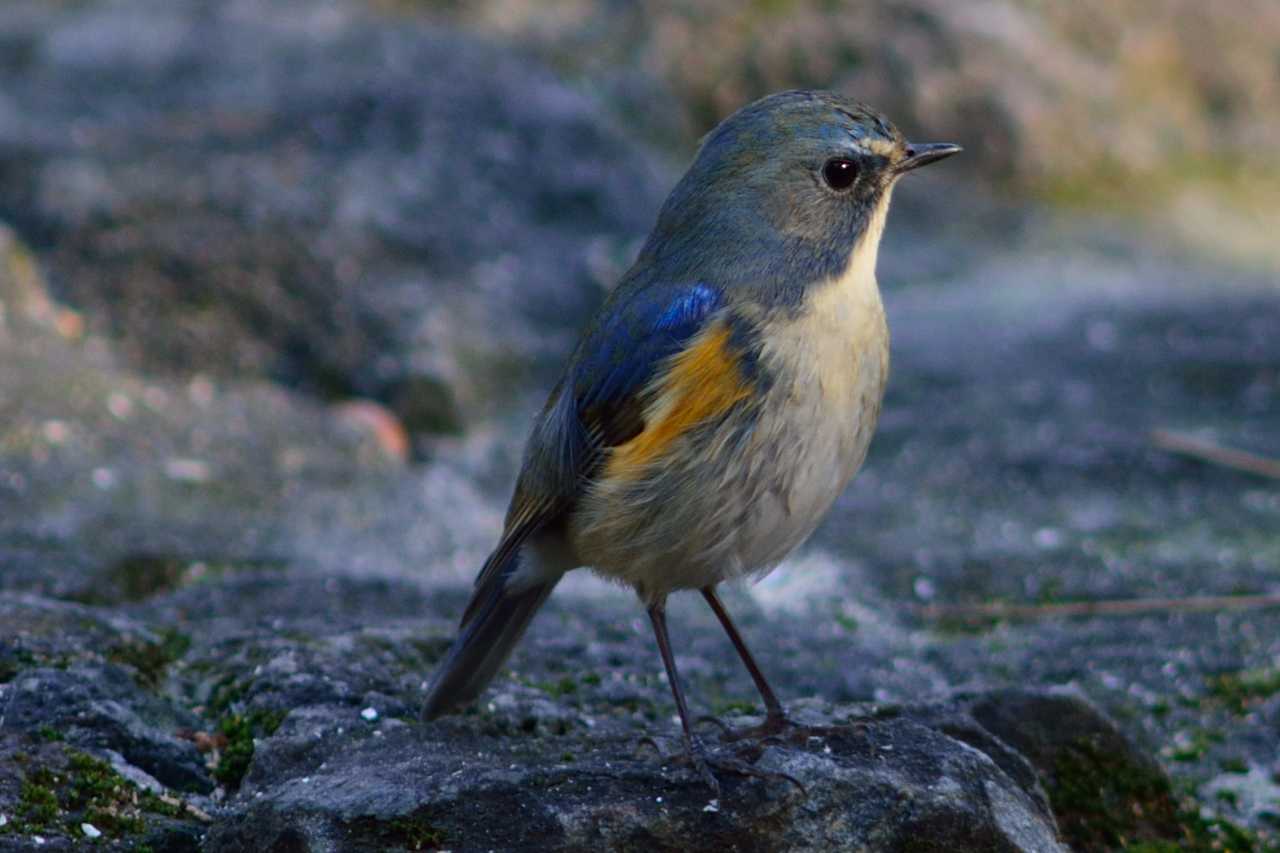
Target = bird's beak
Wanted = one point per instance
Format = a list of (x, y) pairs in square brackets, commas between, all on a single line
[(923, 153)]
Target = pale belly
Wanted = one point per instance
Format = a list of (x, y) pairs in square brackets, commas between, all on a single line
[(738, 495)]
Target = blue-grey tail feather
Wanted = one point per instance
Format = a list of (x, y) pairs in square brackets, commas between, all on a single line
[(496, 619)]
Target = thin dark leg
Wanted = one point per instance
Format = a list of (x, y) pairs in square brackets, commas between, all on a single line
[(694, 750), (658, 616), (773, 708)]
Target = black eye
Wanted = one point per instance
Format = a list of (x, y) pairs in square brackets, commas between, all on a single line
[(840, 173)]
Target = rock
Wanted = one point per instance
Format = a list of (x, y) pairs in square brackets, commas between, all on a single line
[(873, 784), (1105, 792), (388, 433), (322, 747), (86, 678), (25, 302), (354, 204), (107, 475), (99, 708), (54, 796)]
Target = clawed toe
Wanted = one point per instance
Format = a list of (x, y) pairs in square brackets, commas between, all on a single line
[(649, 742), (708, 763), (725, 728), (737, 767), (776, 730), (772, 730)]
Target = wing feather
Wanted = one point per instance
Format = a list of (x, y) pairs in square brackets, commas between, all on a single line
[(600, 402)]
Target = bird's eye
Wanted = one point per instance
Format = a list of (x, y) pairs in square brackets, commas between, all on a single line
[(840, 173)]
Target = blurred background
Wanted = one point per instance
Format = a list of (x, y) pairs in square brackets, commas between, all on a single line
[(282, 284)]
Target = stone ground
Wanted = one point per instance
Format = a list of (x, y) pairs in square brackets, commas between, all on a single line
[(192, 566), (221, 593)]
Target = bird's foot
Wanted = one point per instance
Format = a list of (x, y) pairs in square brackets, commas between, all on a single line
[(776, 728), (709, 764)]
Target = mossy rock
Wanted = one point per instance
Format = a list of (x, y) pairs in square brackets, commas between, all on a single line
[(1105, 794), (63, 789)]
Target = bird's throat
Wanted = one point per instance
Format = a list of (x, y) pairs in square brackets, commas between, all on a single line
[(858, 281)]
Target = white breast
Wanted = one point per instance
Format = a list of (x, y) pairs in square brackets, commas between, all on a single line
[(831, 364)]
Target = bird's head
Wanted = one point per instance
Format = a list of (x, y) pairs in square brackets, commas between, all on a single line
[(805, 173)]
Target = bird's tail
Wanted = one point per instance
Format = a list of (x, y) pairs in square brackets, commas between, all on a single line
[(496, 618)]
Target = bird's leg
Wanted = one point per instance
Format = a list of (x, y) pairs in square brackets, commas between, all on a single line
[(694, 750), (692, 746), (775, 720)]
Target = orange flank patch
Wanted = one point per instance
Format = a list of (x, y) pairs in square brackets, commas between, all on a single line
[(703, 382)]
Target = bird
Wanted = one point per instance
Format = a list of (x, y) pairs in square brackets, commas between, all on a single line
[(721, 398)]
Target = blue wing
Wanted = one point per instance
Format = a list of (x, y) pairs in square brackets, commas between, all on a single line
[(600, 401), (622, 354)]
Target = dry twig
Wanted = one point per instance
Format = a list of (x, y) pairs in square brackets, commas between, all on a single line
[(1108, 607), (1239, 460)]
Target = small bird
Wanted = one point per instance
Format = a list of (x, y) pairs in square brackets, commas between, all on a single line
[(721, 398)]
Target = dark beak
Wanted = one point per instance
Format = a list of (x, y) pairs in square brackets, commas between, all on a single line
[(923, 153)]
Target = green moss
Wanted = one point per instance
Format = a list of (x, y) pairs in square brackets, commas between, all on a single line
[(38, 803), (557, 689), (1244, 688), (138, 577), (151, 661), (735, 708), (55, 801), (845, 621), (1102, 804), (1196, 746), (1103, 801), (14, 661), (49, 734), (1234, 765), (645, 707), (1226, 795), (226, 693), (235, 757), (102, 796), (1052, 591), (241, 731), (1113, 185), (1200, 833), (430, 649), (411, 832), (417, 834)]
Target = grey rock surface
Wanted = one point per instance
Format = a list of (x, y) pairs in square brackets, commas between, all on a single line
[(76, 671), (876, 784)]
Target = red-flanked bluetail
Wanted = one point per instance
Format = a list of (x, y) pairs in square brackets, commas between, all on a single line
[(722, 397)]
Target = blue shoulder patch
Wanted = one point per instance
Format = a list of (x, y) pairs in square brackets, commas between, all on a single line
[(689, 308), (621, 358), (601, 402)]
